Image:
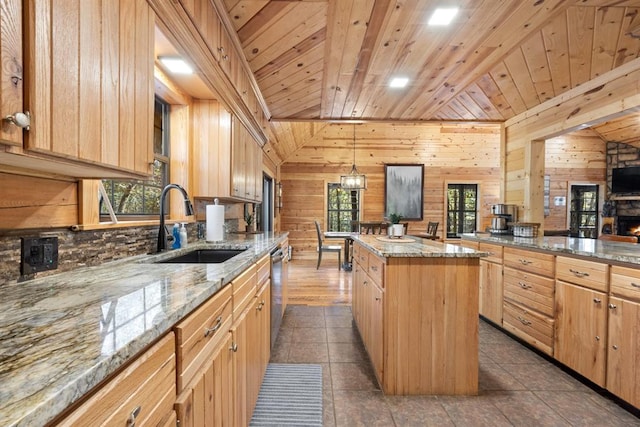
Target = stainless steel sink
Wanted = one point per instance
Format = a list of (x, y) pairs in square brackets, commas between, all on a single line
[(204, 256)]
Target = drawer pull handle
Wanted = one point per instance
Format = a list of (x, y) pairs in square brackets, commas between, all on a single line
[(524, 321), (214, 329), (597, 300), (613, 306), (131, 421), (635, 285), (579, 273), (234, 347), (525, 262), (524, 285), (374, 268)]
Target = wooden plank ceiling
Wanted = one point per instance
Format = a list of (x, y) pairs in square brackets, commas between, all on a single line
[(329, 60)]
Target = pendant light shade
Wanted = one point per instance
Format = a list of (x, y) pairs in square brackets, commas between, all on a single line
[(354, 180)]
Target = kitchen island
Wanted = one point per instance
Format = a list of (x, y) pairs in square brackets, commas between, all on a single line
[(415, 302), (62, 336)]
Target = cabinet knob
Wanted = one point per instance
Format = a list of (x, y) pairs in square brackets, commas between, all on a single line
[(22, 120), (234, 347), (597, 337), (615, 347), (613, 306), (378, 298), (131, 421), (597, 300)]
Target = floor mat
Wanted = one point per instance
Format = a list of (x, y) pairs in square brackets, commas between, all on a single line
[(290, 395)]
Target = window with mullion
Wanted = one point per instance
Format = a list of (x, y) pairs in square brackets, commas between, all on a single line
[(343, 207), (462, 203)]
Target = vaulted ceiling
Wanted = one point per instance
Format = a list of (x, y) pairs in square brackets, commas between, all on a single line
[(333, 59)]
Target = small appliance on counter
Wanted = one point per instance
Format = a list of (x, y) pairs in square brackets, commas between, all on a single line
[(504, 216)]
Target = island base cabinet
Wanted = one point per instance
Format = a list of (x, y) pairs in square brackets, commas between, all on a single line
[(581, 330), (491, 289), (623, 361), (430, 322)]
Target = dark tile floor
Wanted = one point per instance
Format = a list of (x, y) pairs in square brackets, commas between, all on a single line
[(517, 387)]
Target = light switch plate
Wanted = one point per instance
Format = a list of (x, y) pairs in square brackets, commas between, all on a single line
[(38, 254)]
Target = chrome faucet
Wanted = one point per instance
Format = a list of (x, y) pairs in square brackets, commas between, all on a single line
[(188, 210)]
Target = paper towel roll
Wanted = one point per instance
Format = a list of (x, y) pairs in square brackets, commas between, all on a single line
[(215, 223)]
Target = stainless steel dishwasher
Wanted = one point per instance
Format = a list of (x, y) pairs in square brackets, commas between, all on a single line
[(277, 259)]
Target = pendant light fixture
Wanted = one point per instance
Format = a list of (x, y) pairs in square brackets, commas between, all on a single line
[(355, 180)]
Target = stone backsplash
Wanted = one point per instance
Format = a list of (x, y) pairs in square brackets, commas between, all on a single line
[(85, 248)]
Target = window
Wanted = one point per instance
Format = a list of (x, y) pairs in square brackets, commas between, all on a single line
[(343, 208), (139, 198), (584, 211), (462, 202)]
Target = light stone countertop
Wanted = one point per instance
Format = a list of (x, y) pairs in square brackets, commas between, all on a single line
[(600, 250), (63, 334), (418, 248)]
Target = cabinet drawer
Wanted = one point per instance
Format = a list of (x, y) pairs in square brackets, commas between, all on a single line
[(148, 383), (376, 269), (495, 252), (625, 282), (593, 275), (530, 290), (244, 289), (534, 328), (198, 335), (361, 256), (533, 262), (264, 269), (469, 244)]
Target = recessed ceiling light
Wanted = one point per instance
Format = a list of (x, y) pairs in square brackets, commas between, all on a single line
[(176, 65), (398, 82), (443, 16)]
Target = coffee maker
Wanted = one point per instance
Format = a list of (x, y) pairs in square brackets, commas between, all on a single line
[(504, 216)]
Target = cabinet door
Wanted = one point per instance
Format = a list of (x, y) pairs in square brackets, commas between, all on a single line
[(623, 367), (11, 73), (376, 343), (581, 330), (239, 349), (491, 287), (94, 103), (238, 160)]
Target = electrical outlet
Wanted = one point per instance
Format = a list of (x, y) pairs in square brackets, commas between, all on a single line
[(38, 254)]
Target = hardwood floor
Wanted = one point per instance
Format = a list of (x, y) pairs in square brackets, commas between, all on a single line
[(324, 286)]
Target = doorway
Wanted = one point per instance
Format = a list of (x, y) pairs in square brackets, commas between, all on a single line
[(583, 214), (265, 211)]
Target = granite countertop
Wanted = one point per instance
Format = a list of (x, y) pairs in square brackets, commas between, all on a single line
[(591, 248), (414, 247), (63, 334)]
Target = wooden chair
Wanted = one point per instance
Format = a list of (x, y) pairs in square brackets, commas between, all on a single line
[(617, 238), (326, 248), (432, 228)]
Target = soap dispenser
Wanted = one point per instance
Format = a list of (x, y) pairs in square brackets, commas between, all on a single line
[(183, 236), (176, 236)]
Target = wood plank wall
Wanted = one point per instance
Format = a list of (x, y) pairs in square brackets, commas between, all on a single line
[(576, 157), (450, 153)]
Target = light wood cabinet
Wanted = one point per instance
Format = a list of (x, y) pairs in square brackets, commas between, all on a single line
[(623, 354), (581, 330), (246, 165), (491, 284), (144, 391), (89, 88), (528, 279), (12, 70), (418, 319)]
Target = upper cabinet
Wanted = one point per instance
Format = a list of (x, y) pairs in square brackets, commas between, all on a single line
[(86, 81), (202, 33)]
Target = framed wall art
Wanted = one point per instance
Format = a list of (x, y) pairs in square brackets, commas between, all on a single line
[(403, 190)]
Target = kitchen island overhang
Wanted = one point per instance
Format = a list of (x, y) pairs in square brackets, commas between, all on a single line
[(416, 307)]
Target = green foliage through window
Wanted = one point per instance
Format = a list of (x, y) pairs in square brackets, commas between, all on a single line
[(343, 208), (462, 205), (142, 197)]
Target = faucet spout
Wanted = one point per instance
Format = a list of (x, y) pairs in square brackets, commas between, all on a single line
[(188, 210)]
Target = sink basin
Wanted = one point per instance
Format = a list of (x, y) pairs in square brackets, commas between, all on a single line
[(206, 256)]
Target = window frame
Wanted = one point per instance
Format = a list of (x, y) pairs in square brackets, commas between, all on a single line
[(478, 218), (329, 225)]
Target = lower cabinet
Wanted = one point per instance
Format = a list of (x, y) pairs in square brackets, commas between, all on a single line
[(581, 330), (142, 394), (490, 298), (623, 353)]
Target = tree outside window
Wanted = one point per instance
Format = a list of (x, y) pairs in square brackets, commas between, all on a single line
[(343, 208), (142, 197), (462, 203)]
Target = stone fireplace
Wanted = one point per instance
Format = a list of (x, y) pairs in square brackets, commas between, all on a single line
[(629, 225)]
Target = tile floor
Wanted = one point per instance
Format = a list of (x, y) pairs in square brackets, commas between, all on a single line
[(517, 386)]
